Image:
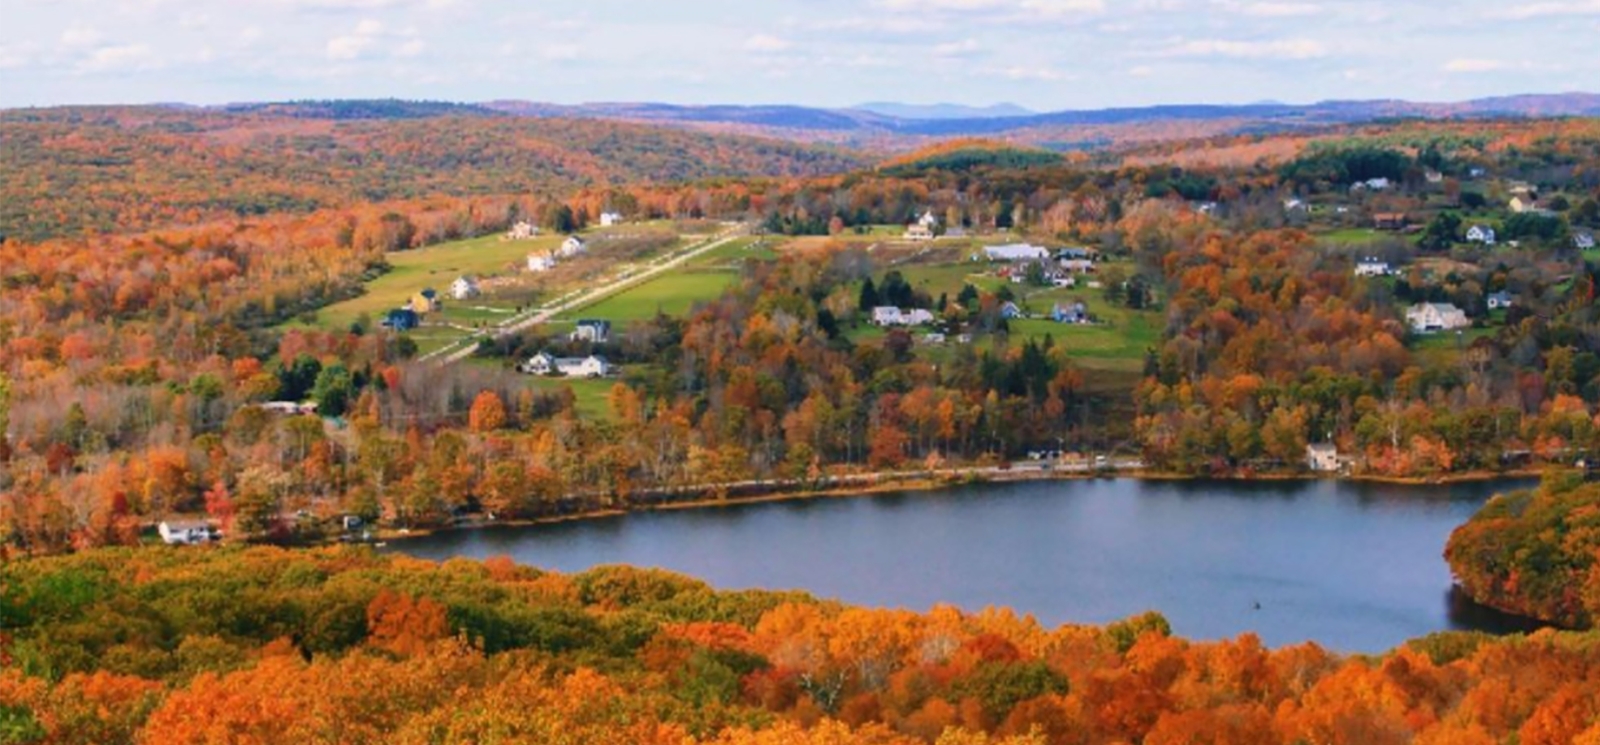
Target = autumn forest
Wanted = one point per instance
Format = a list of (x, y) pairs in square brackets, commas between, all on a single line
[(194, 327)]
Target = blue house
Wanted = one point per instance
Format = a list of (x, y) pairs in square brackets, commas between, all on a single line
[(401, 319), (1070, 313)]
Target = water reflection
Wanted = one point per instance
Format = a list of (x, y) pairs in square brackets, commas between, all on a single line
[(1355, 567), (1467, 614)]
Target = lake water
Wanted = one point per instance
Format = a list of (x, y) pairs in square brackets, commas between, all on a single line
[(1354, 567)]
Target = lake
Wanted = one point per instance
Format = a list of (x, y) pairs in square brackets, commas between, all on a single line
[(1355, 567)]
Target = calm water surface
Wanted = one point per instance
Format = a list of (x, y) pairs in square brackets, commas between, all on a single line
[(1354, 567)]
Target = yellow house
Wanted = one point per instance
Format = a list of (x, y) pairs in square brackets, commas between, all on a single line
[(426, 301)]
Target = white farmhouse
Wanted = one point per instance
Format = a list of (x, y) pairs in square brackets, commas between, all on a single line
[(522, 231), (1583, 241), (541, 262), (1322, 457), (887, 315), (1427, 318), (1371, 267), (545, 363), (572, 246), (610, 219), (185, 532), (1481, 234), (464, 288), (1016, 252), (591, 330)]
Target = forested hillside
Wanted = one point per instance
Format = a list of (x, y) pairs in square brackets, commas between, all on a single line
[(1533, 552), (345, 646), (72, 171)]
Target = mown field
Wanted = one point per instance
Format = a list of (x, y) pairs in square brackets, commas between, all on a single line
[(436, 267), (674, 294)]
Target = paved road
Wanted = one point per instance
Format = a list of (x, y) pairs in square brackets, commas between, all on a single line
[(456, 353)]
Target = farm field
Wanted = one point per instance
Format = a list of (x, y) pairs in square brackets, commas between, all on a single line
[(1352, 236), (673, 294), (435, 267)]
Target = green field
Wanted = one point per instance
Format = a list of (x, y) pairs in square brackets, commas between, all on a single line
[(435, 267), (673, 294), (590, 393), (1353, 236), (935, 279)]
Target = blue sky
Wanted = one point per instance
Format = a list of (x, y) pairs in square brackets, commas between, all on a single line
[(1044, 54)]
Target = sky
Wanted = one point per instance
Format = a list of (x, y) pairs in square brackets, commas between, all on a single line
[(1043, 54)]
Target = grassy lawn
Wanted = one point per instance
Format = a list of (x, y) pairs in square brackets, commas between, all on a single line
[(1352, 236), (732, 256), (1450, 341), (435, 267), (590, 393), (674, 294), (948, 278)]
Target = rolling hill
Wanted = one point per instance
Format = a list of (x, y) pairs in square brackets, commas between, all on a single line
[(120, 169)]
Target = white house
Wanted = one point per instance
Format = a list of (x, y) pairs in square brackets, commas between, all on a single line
[(1427, 318), (1077, 266), (1372, 184), (1016, 252), (889, 315), (289, 408), (573, 246), (1481, 234), (522, 231), (610, 219), (186, 532), (1583, 241), (1432, 176), (919, 232), (1371, 267), (541, 262), (1524, 203), (1009, 310), (1322, 457), (886, 315), (464, 288), (591, 330), (544, 363), (1294, 205)]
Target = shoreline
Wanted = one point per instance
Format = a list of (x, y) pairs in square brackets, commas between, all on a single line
[(873, 484)]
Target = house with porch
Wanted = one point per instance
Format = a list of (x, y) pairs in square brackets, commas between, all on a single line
[(1428, 318), (545, 363)]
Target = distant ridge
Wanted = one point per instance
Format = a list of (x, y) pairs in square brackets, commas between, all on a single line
[(932, 121), (944, 110)]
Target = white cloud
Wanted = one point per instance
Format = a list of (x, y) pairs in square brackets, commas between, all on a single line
[(958, 49), (118, 59), (1048, 8), (1280, 49), (1270, 9), (370, 37), (1022, 72), (1547, 10), (14, 57), (79, 36), (1473, 65), (561, 52), (766, 43)]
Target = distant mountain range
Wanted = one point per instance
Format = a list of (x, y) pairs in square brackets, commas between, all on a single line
[(944, 110), (901, 127), (944, 120)]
